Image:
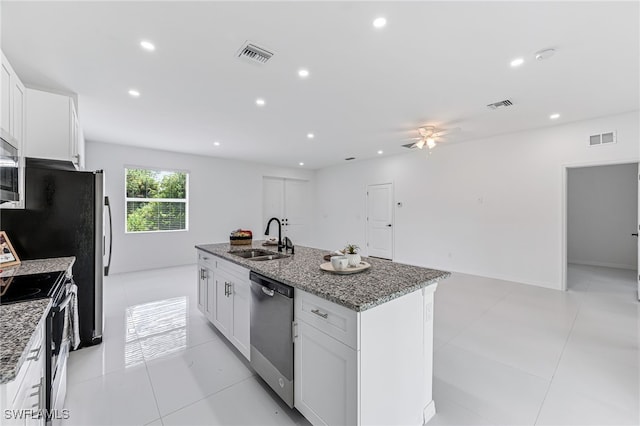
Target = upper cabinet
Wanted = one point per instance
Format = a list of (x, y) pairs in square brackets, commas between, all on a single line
[(12, 118), (53, 129), (13, 103)]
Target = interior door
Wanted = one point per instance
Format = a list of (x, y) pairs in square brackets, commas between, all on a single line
[(380, 220), (272, 202), (296, 210)]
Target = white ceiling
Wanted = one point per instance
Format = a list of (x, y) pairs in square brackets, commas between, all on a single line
[(435, 63)]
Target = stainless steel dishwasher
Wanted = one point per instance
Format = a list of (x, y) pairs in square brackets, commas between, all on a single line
[(271, 334)]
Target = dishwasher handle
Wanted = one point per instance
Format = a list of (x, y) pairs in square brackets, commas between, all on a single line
[(268, 291)]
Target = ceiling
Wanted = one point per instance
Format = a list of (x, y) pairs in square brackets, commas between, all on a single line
[(435, 63)]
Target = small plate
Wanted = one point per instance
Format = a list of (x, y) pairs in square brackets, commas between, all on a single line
[(350, 270)]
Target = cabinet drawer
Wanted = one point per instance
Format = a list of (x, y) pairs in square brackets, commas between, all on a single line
[(337, 321), (237, 271), (206, 259)]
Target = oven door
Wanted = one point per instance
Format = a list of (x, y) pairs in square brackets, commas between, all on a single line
[(59, 351)]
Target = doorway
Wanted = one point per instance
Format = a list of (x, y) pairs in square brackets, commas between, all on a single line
[(380, 221), (601, 220), (288, 200)]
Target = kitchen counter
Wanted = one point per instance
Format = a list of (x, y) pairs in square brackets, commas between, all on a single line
[(384, 281), (18, 321), (38, 266)]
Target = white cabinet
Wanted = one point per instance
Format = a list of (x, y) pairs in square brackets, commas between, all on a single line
[(349, 365), (25, 395), (224, 297), (53, 128), (12, 119), (289, 201), (326, 377), (13, 103)]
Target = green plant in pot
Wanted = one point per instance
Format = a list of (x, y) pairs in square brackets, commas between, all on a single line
[(351, 251)]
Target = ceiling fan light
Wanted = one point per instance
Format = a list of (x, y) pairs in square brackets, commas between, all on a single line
[(420, 144), (431, 143)]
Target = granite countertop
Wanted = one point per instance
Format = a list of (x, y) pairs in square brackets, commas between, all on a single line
[(18, 321), (384, 281), (38, 266)]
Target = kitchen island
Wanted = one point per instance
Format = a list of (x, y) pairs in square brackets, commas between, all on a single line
[(363, 342)]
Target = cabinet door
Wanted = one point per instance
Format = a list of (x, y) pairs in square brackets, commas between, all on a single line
[(18, 109), (210, 294), (74, 131), (5, 96), (296, 210), (222, 303), (326, 378), (241, 316), (202, 289)]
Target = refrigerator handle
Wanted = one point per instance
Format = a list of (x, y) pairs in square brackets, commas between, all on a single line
[(106, 268)]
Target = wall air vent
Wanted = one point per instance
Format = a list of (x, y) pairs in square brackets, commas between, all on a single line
[(253, 53), (500, 104), (602, 139)]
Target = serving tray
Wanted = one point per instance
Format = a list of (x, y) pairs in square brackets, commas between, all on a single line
[(349, 270)]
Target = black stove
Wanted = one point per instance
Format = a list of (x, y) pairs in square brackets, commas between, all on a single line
[(30, 287)]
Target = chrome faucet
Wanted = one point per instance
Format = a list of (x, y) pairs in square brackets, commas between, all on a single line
[(266, 231)]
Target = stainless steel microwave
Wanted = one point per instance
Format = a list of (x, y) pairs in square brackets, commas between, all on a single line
[(9, 169)]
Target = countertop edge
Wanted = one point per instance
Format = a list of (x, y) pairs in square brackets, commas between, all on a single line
[(12, 374), (356, 308)]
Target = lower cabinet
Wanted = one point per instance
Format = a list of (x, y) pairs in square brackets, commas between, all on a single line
[(23, 399), (361, 368), (326, 375), (224, 297)]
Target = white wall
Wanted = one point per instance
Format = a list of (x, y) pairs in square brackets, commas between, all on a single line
[(489, 207), (602, 212), (223, 195)]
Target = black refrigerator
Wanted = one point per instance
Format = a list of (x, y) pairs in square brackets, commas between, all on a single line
[(64, 216)]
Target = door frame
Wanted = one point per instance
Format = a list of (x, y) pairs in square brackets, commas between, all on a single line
[(393, 216), (564, 207)]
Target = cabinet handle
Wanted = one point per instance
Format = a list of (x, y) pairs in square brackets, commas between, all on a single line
[(320, 314), (36, 353), (294, 331)]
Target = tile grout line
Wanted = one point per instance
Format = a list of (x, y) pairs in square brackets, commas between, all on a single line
[(555, 370), (206, 396)]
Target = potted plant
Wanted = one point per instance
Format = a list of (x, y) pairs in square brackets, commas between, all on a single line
[(353, 258)]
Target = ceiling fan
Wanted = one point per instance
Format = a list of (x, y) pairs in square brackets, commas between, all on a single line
[(429, 135)]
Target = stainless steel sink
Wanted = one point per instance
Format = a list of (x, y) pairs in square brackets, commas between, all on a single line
[(258, 254)]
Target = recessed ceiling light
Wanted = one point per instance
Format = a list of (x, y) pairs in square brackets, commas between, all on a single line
[(260, 102), (310, 135), (147, 45), (301, 163), (134, 93), (517, 62), (380, 152), (554, 116), (379, 22), (216, 143), (303, 73)]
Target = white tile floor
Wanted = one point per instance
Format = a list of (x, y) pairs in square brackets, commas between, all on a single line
[(505, 354)]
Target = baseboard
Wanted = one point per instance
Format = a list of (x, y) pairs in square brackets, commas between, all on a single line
[(428, 412), (602, 264)]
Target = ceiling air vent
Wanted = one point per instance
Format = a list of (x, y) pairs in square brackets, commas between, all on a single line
[(500, 104), (410, 145), (602, 139), (350, 158), (254, 53)]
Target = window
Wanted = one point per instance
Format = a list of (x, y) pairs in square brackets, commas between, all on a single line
[(156, 200)]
